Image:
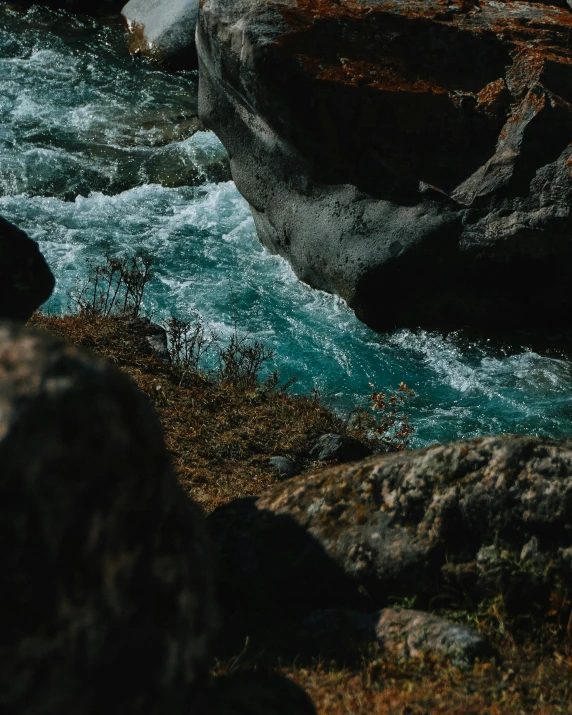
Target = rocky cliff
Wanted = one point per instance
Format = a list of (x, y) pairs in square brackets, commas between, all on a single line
[(413, 157)]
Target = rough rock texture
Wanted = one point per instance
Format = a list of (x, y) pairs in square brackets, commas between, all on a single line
[(25, 279), (402, 633), (163, 30), (413, 157), (476, 518), (106, 602), (338, 448)]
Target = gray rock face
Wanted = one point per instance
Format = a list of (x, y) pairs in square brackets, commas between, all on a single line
[(163, 30), (106, 602), (25, 279), (401, 633), (479, 517), (411, 157)]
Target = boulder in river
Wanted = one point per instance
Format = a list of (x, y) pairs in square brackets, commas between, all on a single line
[(25, 278), (163, 30), (470, 520), (106, 599), (413, 157)]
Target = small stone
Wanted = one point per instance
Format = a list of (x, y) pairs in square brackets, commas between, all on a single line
[(337, 448), (415, 634), (285, 466), (400, 633)]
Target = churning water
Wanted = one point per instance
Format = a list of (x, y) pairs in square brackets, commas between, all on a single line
[(99, 153)]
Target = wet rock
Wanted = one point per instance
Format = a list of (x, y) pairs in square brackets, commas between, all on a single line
[(163, 30), (419, 150), (401, 633), (285, 466), (106, 600), (458, 517), (337, 448), (25, 278)]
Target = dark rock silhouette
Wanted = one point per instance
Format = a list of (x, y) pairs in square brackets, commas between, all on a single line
[(106, 602), (25, 278)]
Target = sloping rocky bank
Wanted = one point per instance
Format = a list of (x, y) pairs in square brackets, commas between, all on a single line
[(114, 585), (412, 157)]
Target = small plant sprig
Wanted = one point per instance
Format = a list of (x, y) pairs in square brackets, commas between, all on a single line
[(115, 287), (392, 427)]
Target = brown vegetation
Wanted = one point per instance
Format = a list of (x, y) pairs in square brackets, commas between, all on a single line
[(221, 433)]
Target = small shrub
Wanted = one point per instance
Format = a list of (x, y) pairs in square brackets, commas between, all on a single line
[(188, 345), (241, 361), (115, 287)]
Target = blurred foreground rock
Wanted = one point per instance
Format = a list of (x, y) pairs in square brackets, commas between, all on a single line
[(106, 602), (25, 278)]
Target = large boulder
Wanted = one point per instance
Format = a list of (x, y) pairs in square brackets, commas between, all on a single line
[(163, 30), (413, 157), (106, 602), (467, 521), (25, 278)]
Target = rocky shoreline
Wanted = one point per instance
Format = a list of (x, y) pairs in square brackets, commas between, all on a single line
[(420, 191)]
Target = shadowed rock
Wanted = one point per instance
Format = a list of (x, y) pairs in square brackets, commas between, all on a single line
[(258, 693), (413, 157), (474, 518), (25, 279), (338, 448), (401, 633), (106, 602)]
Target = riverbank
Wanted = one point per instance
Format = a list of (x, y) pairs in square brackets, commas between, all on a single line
[(220, 437)]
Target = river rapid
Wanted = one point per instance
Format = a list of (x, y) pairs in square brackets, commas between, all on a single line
[(100, 154)]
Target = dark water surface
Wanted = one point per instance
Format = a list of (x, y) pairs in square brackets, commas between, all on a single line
[(99, 153)]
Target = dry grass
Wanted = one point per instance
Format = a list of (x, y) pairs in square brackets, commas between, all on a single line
[(221, 437)]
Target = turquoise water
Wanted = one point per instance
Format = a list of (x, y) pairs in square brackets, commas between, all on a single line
[(99, 153)]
